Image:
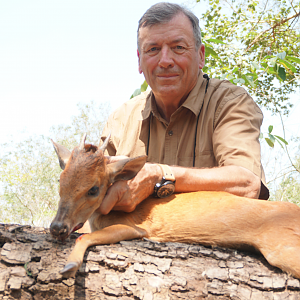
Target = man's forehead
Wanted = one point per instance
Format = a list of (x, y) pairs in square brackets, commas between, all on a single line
[(178, 28)]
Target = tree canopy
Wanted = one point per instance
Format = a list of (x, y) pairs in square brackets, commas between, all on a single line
[(29, 169), (255, 44)]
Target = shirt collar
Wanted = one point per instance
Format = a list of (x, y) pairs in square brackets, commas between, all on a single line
[(193, 102), (195, 99), (150, 106)]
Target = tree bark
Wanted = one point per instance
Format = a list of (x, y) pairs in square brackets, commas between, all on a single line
[(31, 260)]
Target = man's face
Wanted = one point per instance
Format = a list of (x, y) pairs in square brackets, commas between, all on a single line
[(169, 59)]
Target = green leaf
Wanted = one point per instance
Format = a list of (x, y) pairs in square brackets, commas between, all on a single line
[(287, 64), (281, 73), (205, 69), (210, 51), (281, 139), (270, 128), (272, 61), (235, 70), (272, 138), (135, 93), (281, 55), (255, 65), (295, 59), (265, 65), (239, 80), (26, 269), (280, 144), (215, 41), (144, 86), (271, 71), (223, 76), (270, 143), (250, 77), (207, 44), (261, 135)]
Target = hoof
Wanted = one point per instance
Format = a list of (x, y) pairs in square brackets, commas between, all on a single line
[(69, 270)]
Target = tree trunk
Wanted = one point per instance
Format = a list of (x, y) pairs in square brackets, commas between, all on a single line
[(31, 260)]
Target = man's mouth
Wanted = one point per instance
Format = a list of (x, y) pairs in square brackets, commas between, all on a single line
[(166, 76)]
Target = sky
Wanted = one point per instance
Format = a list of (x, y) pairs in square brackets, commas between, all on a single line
[(55, 54)]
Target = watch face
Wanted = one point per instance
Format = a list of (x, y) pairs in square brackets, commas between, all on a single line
[(166, 190)]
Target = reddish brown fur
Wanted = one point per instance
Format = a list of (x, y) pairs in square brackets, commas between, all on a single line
[(209, 218)]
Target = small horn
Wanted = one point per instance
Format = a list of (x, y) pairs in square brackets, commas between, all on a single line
[(82, 142), (104, 145)]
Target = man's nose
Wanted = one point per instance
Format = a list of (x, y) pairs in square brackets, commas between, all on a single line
[(166, 58)]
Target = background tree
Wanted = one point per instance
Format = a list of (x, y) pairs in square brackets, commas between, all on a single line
[(255, 44), (29, 170)]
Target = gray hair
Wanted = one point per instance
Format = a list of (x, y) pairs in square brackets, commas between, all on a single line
[(164, 12)]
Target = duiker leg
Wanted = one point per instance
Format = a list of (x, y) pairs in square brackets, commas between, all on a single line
[(281, 249), (108, 235), (279, 238)]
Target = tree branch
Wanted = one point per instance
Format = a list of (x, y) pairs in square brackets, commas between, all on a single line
[(291, 2), (260, 16), (258, 39)]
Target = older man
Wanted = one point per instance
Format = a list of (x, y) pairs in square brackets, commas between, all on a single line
[(198, 133)]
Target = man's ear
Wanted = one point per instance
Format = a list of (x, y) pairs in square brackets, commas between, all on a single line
[(125, 169), (201, 56), (139, 61)]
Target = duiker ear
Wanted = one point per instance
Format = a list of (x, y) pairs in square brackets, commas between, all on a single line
[(125, 169), (63, 154)]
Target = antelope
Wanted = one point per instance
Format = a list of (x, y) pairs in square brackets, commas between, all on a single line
[(207, 218)]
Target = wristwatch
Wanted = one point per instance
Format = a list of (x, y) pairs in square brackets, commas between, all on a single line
[(166, 187)]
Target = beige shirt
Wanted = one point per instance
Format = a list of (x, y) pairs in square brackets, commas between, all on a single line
[(227, 131)]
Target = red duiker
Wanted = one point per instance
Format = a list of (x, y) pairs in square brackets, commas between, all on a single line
[(207, 218)]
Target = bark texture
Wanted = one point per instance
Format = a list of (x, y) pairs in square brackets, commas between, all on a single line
[(31, 260)]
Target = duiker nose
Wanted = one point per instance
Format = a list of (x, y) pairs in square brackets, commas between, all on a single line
[(59, 230)]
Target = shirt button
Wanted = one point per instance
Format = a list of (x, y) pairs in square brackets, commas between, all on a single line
[(170, 133)]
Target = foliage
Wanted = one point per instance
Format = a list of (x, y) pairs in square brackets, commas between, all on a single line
[(30, 171), (255, 44), (289, 187), (271, 138), (29, 178), (143, 88), (91, 120)]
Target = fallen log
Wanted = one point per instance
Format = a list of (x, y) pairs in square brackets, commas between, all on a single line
[(138, 269)]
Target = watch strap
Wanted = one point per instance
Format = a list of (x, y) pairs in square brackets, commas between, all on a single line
[(167, 172)]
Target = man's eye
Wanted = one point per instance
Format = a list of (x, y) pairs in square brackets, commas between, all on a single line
[(153, 50), (179, 49)]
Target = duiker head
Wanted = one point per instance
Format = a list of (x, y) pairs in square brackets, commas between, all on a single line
[(84, 181)]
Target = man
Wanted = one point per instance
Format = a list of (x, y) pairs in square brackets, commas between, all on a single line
[(204, 131)]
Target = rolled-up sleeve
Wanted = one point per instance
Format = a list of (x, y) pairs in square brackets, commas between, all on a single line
[(236, 135)]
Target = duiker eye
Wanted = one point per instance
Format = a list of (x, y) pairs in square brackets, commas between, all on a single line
[(93, 191)]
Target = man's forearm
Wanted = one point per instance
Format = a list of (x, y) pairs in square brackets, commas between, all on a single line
[(126, 195), (233, 179)]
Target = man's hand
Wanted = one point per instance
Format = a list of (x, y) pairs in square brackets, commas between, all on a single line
[(126, 195)]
